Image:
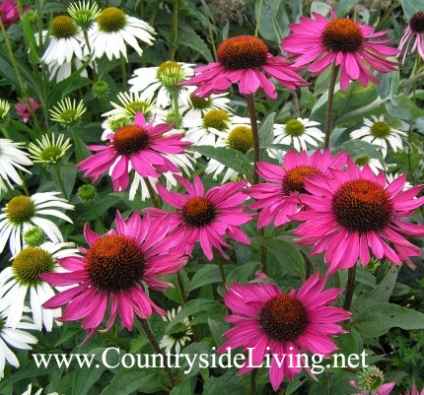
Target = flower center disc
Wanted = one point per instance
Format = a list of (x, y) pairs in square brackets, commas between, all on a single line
[(241, 139), (362, 205), (130, 140), (294, 179), (294, 128), (242, 52), (170, 73), (199, 211), (217, 119), (20, 209), (200, 103), (284, 318), (380, 129), (63, 27), (115, 263), (111, 19), (342, 35), (417, 22), (29, 263)]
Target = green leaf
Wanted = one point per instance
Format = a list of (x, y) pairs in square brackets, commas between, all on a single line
[(188, 37), (218, 327), (243, 272), (126, 381), (266, 131), (208, 274), (184, 386), (410, 7), (359, 149), (227, 156), (376, 320), (86, 378), (193, 351), (403, 107)]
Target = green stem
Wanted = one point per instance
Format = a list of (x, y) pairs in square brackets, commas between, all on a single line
[(221, 268), (59, 181), (212, 39), (181, 287), (124, 73), (175, 93), (152, 192), (174, 31), (328, 117), (152, 19), (258, 17), (151, 337), (253, 376), (254, 124), (350, 285), (5, 132), (308, 266), (79, 151)]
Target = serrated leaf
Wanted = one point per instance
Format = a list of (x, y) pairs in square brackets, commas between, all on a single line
[(188, 37)]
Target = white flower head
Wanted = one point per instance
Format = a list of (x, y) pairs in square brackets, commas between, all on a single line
[(20, 283), (378, 132), (177, 339), (49, 149), (67, 112), (112, 32), (84, 13), (24, 212)]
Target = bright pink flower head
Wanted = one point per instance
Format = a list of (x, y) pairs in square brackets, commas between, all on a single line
[(23, 109), (413, 33), (385, 389), (114, 272), (415, 391), (246, 61), (356, 212), (141, 147), (9, 13), (268, 321), (205, 217), (342, 42), (278, 198)]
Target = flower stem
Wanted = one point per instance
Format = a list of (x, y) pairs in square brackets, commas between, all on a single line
[(181, 286), (124, 73), (350, 285), (221, 268), (59, 181), (258, 17), (332, 84), (151, 337), (155, 202), (254, 124), (174, 31), (253, 381)]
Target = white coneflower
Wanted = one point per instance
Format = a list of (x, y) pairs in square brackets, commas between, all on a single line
[(298, 133), (20, 283), (49, 149), (84, 13), (4, 109), (24, 212), (114, 29), (378, 132), (17, 338), (375, 164), (161, 81), (176, 340), (194, 108), (67, 112)]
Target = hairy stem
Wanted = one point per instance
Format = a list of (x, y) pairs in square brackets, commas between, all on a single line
[(328, 117), (350, 285)]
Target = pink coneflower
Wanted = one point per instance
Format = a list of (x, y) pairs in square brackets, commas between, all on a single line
[(205, 217), (286, 181), (246, 61), (415, 391), (371, 382), (9, 12), (23, 110), (414, 32), (341, 42), (356, 212), (385, 389), (140, 146), (268, 321), (115, 271)]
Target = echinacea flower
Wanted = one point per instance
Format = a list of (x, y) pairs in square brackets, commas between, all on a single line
[(377, 131), (161, 81), (414, 32), (24, 212), (115, 272), (277, 199), (84, 13), (266, 320), (17, 337), (4, 110), (193, 107), (141, 146), (25, 110), (355, 212), (21, 281), (67, 112), (9, 12), (354, 47), (204, 217), (28, 391), (114, 29), (415, 391), (371, 382), (247, 62), (11, 159), (49, 149), (177, 339)]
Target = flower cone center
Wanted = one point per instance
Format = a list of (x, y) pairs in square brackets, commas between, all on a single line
[(294, 128), (170, 73), (34, 236), (63, 27), (363, 160), (362, 205), (51, 154), (293, 181), (417, 22), (111, 19), (242, 52), (284, 318), (130, 140), (241, 139), (217, 119), (380, 129), (139, 106), (29, 263), (200, 103), (115, 263), (199, 211), (342, 35), (20, 209)]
